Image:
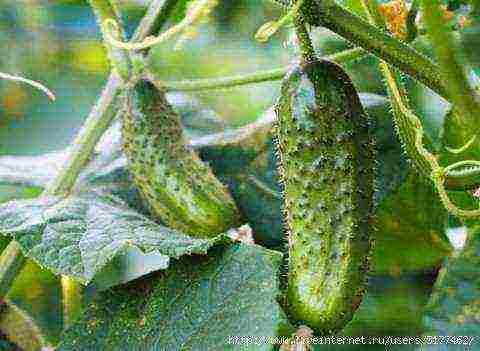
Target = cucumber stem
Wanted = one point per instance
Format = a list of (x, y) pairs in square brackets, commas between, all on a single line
[(105, 10), (452, 72), (11, 263), (307, 51), (410, 129), (251, 78), (377, 42)]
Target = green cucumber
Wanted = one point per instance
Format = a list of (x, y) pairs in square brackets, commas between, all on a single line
[(326, 159), (180, 189)]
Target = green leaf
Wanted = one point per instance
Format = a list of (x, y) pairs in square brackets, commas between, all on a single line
[(411, 229), (455, 136), (454, 306), (248, 167), (79, 235), (197, 119), (195, 305)]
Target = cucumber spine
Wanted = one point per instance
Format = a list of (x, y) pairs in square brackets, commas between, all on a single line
[(326, 159), (180, 189)]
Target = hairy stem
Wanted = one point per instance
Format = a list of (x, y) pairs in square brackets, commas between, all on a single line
[(252, 78), (378, 42), (11, 263), (306, 47), (410, 129), (104, 10), (381, 44), (72, 298), (95, 125), (461, 93)]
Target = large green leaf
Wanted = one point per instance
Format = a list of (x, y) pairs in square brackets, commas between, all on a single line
[(411, 229), (79, 235), (197, 304), (454, 306), (245, 160)]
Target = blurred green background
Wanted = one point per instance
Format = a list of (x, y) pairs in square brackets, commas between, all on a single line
[(58, 43)]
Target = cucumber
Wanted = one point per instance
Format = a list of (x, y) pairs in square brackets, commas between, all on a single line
[(180, 189), (326, 159)]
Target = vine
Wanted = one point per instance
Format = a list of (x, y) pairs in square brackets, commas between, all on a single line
[(410, 129), (30, 82), (199, 10)]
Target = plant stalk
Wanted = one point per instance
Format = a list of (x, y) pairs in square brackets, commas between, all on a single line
[(251, 78), (462, 95), (409, 128), (384, 46), (119, 59), (72, 293), (377, 42), (11, 263), (307, 51)]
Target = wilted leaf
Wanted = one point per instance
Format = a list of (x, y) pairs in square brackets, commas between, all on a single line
[(79, 235), (197, 304)]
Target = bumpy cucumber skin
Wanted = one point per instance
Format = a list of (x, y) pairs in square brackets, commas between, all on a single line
[(180, 189), (326, 158)]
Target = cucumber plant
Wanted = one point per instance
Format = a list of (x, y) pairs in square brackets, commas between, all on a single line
[(326, 159)]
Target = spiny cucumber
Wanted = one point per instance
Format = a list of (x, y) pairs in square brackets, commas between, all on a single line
[(326, 159), (180, 189)]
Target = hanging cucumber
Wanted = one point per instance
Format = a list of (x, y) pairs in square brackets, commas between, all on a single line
[(180, 189), (326, 159)]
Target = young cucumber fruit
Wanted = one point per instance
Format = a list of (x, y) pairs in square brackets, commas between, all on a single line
[(180, 189), (326, 159)]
